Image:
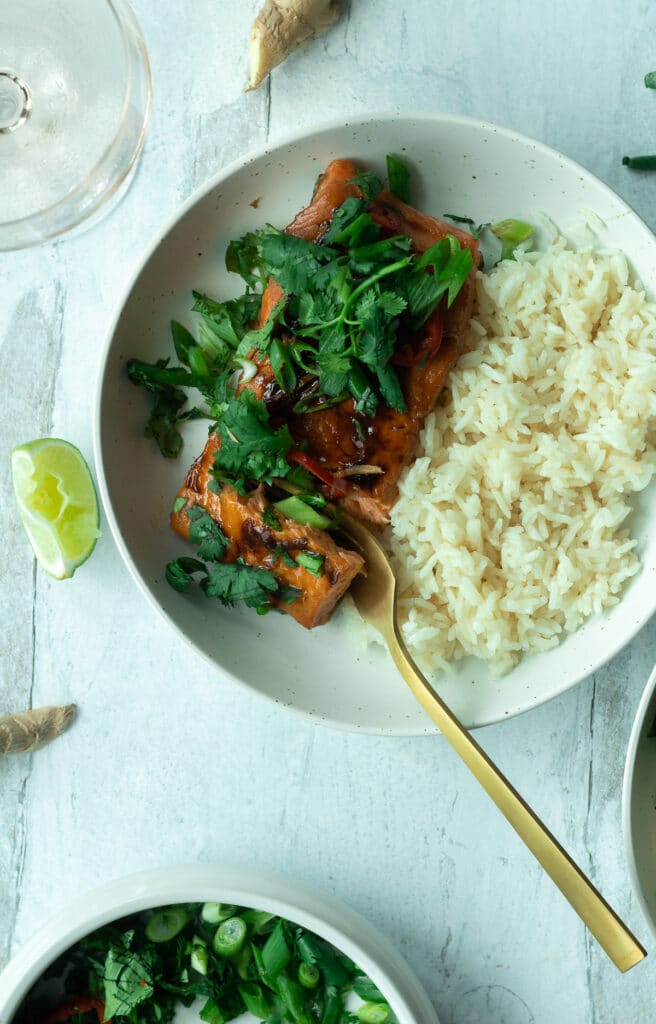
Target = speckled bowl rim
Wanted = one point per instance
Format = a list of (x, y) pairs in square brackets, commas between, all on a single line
[(242, 886)]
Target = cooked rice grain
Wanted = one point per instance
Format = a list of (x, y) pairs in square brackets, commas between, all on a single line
[(507, 532)]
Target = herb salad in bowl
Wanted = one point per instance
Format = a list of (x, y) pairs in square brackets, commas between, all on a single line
[(371, 366), (214, 944)]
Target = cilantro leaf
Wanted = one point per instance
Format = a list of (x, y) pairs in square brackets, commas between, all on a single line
[(243, 258), (391, 303), (290, 260), (207, 534), (369, 184), (251, 450), (179, 572), (235, 581), (168, 401)]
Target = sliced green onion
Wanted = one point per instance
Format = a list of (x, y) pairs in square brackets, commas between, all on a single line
[(640, 163), (313, 563), (212, 1013), (213, 913), (199, 955), (650, 79), (295, 508), (281, 364), (399, 178), (333, 1007), (197, 362), (183, 340), (248, 370), (230, 936), (254, 1000), (373, 1013), (511, 232), (276, 953), (308, 975), (293, 998), (242, 961), (166, 924)]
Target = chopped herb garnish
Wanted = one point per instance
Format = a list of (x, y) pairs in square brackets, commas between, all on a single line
[(369, 184), (313, 563), (295, 508), (145, 967), (206, 534), (179, 573), (460, 220), (640, 163), (251, 449), (270, 518), (399, 178), (511, 233), (179, 504), (235, 581)]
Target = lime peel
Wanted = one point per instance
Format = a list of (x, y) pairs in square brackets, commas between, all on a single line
[(58, 504)]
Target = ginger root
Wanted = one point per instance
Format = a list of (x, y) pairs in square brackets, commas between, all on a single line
[(31, 730), (282, 26)]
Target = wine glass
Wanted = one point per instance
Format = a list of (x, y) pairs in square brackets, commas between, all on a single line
[(75, 96)]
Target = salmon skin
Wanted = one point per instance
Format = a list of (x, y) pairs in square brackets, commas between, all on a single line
[(258, 544), (339, 438)]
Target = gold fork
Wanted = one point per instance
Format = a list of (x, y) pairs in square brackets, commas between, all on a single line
[(375, 598)]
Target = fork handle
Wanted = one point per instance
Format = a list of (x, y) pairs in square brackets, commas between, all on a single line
[(610, 932)]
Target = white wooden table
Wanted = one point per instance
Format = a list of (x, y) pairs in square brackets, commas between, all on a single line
[(167, 763)]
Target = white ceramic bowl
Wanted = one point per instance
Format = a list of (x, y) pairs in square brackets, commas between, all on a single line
[(461, 166), (200, 883), (639, 804)]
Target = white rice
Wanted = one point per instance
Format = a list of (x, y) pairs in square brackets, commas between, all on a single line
[(507, 532)]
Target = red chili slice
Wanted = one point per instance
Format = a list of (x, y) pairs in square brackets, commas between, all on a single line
[(78, 1004), (323, 474), (411, 355)]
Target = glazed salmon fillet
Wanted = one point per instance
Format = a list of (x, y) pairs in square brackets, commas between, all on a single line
[(258, 544), (340, 439)]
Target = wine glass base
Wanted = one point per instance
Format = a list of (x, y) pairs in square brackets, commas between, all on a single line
[(75, 100), (15, 101)]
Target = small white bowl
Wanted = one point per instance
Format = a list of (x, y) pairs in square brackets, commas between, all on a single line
[(639, 804), (200, 883), (463, 167)]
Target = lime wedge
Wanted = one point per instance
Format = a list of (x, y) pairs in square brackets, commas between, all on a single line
[(58, 504)]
